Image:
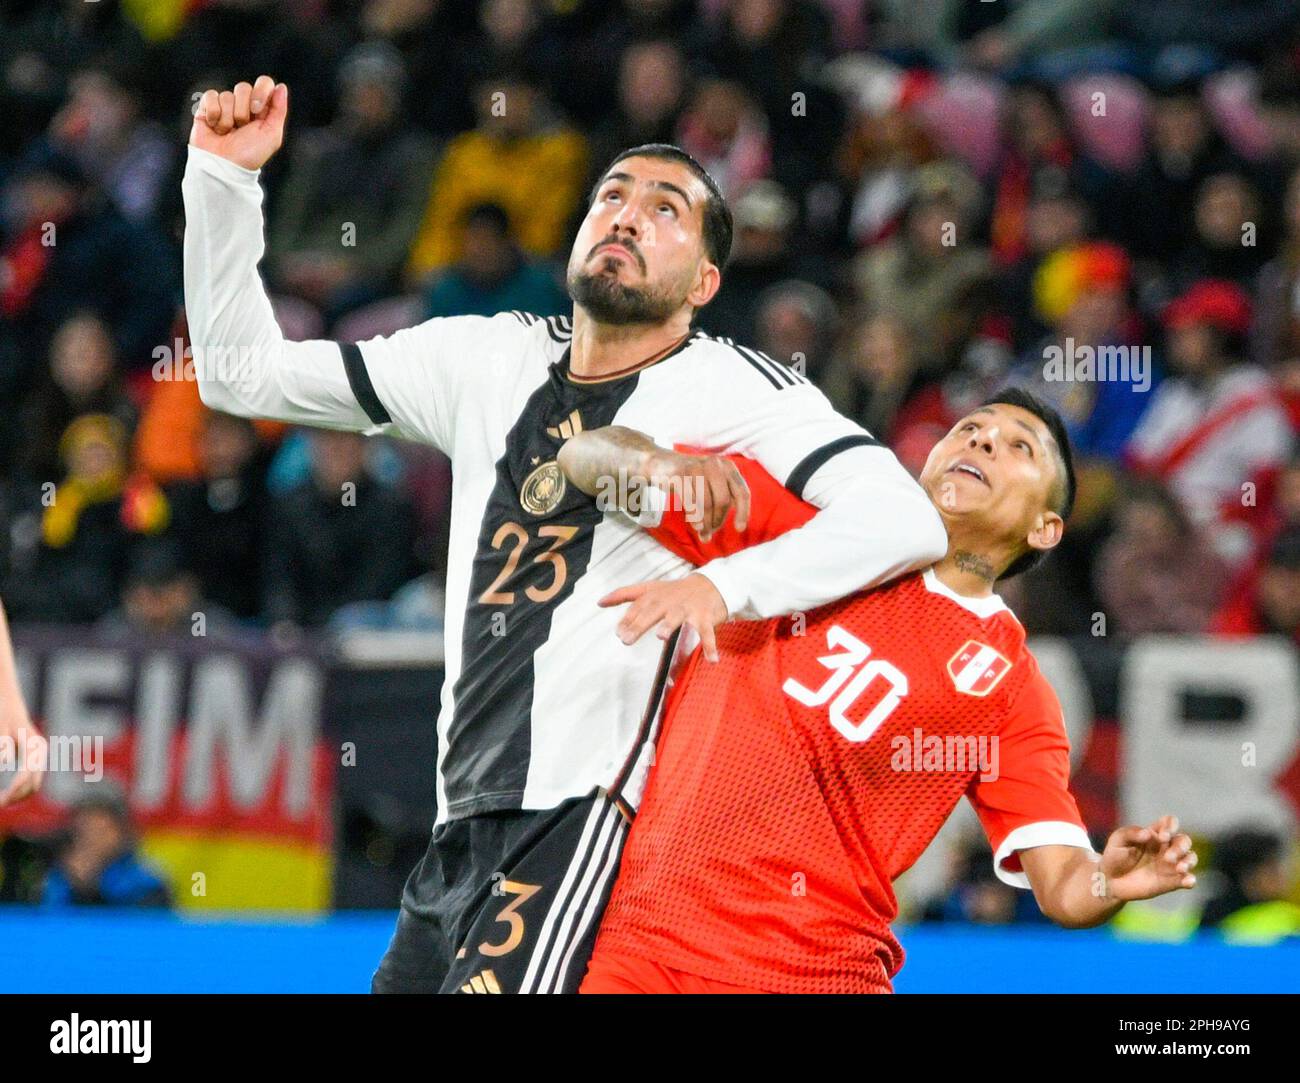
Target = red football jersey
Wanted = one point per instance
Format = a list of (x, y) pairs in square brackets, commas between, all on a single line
[(810, 766)]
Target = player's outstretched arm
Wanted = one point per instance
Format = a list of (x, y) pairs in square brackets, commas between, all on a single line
[(243, 363), (1078, 890)]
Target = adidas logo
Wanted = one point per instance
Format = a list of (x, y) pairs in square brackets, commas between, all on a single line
[(485, 982), (569, 427)]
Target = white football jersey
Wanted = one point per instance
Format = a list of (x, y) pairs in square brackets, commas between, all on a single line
[(542, 701)]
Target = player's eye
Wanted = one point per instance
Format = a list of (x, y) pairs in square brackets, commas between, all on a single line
[(669, 208), (1024, 446)]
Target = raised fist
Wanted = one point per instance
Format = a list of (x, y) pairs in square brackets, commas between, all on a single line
[(244, 125)]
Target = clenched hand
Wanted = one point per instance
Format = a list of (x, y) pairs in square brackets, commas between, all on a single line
[(244, 125)]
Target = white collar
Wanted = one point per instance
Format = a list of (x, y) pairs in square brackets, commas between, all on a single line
[(981, 607)]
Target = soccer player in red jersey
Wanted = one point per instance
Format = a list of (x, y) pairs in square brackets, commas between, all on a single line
[(810, 765)]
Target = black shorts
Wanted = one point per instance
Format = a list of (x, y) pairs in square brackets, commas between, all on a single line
[(506, 902)]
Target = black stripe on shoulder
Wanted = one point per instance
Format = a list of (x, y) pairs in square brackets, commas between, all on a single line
[(795, 374), (781, 371), (814, 461), (359, 380), (755, 365), (526, 318)]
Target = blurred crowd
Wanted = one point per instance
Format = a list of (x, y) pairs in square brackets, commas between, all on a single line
[(932, 198)]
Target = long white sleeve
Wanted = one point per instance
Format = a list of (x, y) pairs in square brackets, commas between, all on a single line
[(876, 523), (243, 363), (413, 380)]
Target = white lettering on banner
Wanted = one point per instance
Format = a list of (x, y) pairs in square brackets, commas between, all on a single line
[(90, 694), (221, 711), (158, 700), (85, 694), (1171, 762)]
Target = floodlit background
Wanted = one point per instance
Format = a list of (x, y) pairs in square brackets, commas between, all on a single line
[(1098, 200)]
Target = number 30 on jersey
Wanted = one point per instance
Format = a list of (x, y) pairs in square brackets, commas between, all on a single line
[(852, 673)]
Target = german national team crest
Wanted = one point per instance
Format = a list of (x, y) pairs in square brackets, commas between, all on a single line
[(543, 489), (977, 668)]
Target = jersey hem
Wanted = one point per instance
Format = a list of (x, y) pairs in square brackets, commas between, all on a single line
[(758, 977)]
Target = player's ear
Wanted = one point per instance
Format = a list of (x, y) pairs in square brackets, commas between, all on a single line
[(707, 281), (1046, 531)]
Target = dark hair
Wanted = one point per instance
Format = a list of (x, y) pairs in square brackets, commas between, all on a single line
[(718, 228), (492, 215), (1064, 499)]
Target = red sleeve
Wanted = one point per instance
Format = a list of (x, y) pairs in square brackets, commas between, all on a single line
[(1027, 801), (773, 510)]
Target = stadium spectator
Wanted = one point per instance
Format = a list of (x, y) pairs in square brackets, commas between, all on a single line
[(66, 251), (975, 895), (796, 323), (493, 275), (724, 130), (881, 147), (73, 553), (1038, 141), (929, 275), (1267, 602), (340, 537), (768, 47), (431, 36), (1057, 217), (160, 597), (43, 45), (82, 378), (350, 205), (1215, 424), (621, 29), (1225, 243), (872, 374), (764, 253), (1276, 338), (1251, 903), (220, 519), (1155, 573), (1083, 294), (652, 85), (1184, 150), (98, 865), (101, 127), (520, 156)]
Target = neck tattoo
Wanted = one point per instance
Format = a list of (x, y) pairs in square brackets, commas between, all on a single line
[(974, 564)]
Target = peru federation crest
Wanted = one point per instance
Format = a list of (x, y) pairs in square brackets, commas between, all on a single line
[(977, 668)]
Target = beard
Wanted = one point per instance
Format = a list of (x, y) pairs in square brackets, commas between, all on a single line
[(610, 301)]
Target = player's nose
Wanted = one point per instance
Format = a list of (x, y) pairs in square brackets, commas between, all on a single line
[(627, 220), (986, 439)]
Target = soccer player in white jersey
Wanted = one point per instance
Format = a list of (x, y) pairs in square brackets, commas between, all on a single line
[(538, 749)]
